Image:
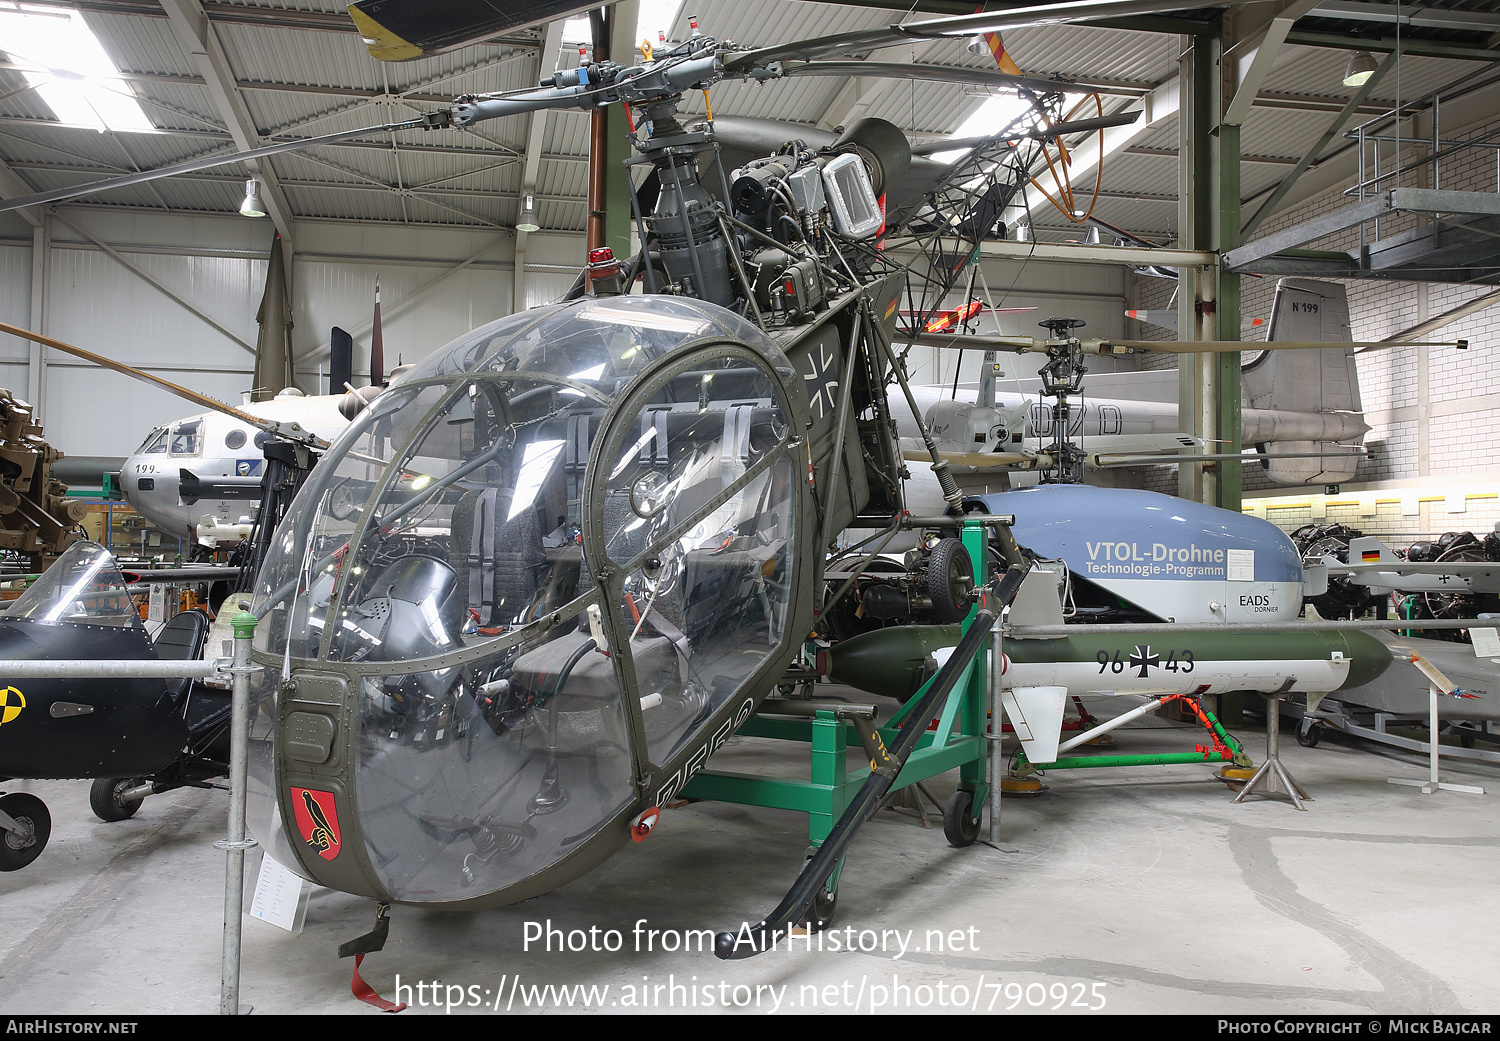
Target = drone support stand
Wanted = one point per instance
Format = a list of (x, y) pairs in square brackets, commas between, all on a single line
[(1432, 785), (1223, 745), (1272, 778)]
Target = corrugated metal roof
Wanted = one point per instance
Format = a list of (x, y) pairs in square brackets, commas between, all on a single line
[(303, 76)]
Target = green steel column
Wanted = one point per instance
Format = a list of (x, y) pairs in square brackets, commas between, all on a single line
[(1197, 116), (828, 744), (972, 718), (1226, 162), (1208, 300)]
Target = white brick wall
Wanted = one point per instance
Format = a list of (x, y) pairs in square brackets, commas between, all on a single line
[(1463, 386)]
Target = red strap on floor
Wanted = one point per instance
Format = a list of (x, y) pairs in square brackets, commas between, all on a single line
[(364, 992)]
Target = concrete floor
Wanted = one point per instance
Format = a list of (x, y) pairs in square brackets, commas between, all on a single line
[(1144, 890)]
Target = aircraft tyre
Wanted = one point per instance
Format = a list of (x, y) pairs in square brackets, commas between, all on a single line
[(105, 801), (950, 580), (16, 850), (960, 827)]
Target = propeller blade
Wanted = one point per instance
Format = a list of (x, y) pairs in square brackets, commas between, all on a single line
[(913, 451), (194, 165), (133, 373)]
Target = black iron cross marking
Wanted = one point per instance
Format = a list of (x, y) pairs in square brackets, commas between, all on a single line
[(822, 381), (1144, 659)]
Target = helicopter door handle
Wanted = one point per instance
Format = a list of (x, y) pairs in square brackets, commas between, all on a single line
[(64, 709)]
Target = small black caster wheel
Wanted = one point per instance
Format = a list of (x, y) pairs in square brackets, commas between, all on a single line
[(823, 907), (961, 827), (1308, 737), (17, 849), (105, 801), (824, 904)]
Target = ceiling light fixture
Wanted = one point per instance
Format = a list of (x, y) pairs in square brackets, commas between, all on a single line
[(252, 206), (528, 216), (1360, 68)]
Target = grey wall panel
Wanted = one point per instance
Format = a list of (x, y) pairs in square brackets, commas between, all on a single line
[(15, 303)]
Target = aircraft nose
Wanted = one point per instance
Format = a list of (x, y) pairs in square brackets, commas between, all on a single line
[(150, 488)]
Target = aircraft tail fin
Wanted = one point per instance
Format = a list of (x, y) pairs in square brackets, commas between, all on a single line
[(1367, 549), (1307, 381), (1036, 715)]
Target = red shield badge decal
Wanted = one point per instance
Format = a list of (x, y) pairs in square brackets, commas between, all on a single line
[(317, 820)]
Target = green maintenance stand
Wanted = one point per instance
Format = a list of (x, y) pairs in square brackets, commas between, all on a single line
[(958, 741)]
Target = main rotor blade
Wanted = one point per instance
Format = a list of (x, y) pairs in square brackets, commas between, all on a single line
[(1225, 346), (1034, 344), (962, 26), (1085, 126), (133, 373), (194, 165), (936, 73)]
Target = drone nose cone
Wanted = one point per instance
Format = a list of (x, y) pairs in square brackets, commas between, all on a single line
[(1370, 658)]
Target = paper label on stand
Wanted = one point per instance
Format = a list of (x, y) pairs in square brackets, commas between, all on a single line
[(277, 891), (1486, 642)]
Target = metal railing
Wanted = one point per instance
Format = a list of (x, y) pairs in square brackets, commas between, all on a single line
[(238, 670)]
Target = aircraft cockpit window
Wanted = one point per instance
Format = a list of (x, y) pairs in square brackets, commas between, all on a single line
[(699, 512), (482, 491), (187, 438), (83, 587), (155, 443), (296, 584), (467, 541)]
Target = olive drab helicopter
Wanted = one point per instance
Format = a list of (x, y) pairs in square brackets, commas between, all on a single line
[(548, 572), (541, 579)]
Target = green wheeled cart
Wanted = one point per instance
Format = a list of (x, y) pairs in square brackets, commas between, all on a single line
[(956, 741)]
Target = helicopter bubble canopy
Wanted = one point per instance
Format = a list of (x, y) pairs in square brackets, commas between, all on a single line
[(539, 569)]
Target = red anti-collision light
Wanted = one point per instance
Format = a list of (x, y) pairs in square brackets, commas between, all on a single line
[(602, 263), (645, 823)]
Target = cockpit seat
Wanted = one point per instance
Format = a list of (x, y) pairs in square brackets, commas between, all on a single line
[(181, 639), (498, 558)]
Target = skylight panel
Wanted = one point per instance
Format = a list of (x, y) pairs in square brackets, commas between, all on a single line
[(68, 69), (656, 17)]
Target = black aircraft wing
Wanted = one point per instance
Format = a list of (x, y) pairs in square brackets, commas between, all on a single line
[(401, 30)]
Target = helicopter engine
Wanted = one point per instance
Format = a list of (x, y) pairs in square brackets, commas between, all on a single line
[(931, 584)]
